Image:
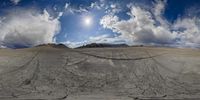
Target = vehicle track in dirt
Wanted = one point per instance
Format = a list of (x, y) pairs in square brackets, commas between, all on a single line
[(113, 71), (113, 58), (22, 66)]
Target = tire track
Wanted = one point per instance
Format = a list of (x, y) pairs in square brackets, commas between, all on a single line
[(150, 78), (175, 83), (34, 75), (161, 65), (23, 66), (113, 58)]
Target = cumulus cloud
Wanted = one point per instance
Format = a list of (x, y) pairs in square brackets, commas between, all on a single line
[(150, 27), (25, 28), (15, 1), (189, 29), (158, 12), (141, 27)]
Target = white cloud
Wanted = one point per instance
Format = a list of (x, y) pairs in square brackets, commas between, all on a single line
[(96, 5), (97, 39), (149, 26), (73, 10), (28, 28), (106, 39), (158, 12), (16, 1), (141, 27), (74, 44), (189, 29), (108, 21), (80, 9), (113, 8), (66, 5)]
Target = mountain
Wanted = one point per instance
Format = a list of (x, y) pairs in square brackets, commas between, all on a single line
[(102, 45), (52, 45)]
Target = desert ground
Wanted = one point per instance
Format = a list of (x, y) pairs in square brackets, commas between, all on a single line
[(125, 73)]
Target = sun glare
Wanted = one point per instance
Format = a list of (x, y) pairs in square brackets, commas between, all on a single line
[(88, 21)]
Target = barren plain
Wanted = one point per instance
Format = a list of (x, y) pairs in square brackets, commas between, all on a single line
[(126, 73)]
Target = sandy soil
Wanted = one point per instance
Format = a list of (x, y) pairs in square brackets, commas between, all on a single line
[(131, 73)]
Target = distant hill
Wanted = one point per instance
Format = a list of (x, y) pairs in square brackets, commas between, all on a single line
[(102, 45), (137, 46), (52, 45)]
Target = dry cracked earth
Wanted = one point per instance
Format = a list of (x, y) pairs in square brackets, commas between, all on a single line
[(131, 73)]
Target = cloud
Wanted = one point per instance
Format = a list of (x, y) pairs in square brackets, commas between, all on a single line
[(96, 5), (25, 28), (98, 39), (66, 5), (141, 27), (189, 29), (72, 9), (113, 9), (106, 39), (159, 8), (150, 27), (16, 1), (74, 44)]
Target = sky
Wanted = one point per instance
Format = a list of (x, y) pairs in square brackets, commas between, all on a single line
[(27, 23)]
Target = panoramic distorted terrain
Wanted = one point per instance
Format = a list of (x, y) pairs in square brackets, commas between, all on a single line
[(124, 73), (99, 49)]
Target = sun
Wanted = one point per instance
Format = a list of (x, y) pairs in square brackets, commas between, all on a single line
[(87, 21)]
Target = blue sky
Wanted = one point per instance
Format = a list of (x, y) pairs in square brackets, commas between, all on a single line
[(26, 23)]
